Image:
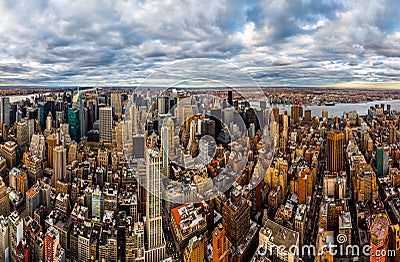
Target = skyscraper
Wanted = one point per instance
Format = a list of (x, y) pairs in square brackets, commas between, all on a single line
[(74, 123), (78, 103), (220, 245), (105, 124), (59, 163), (295, 113), (275, 113), (51, 143), (41, 115), (22, 133), (230, 97), (4, 244), (49, 122), (162, 104), (116, 103), (335, 151), (307, 115), (167, 144), (16, 233), (155, 250), (5, 107), (381, 160), (236, 217)]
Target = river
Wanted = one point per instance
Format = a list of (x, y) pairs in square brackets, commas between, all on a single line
[(340, 108)]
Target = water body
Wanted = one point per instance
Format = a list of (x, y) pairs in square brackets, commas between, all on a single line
[(338, 109), (17, 98)]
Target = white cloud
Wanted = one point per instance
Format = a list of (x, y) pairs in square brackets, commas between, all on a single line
[(276, 41)]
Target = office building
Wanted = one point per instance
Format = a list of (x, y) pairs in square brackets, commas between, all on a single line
[(280, 240), (134, 241), (155, 250), (295, 114), (97, 203), (59, 164), (220, 245), (9, 152), (74, 123), (307, 115), (116, 103), (4, 244), (382, 160), (105, 124), (22, 133), (4, 199), (335, 151), (16, 231), (5, 110), (345, 228), (187, 222), (51, 144), (236, 217), (195, 250), (51, 243)]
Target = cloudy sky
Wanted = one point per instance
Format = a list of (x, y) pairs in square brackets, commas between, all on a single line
[(277, 42)]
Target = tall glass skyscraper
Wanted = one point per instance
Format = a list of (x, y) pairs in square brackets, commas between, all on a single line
[(74, 123), (381, 160)]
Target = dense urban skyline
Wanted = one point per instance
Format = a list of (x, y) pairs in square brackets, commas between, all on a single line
[(297, 43)]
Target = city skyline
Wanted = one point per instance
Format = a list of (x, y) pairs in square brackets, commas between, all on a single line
[(278, 43)]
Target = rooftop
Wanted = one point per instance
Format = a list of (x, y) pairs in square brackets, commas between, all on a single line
[(280, 235)]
